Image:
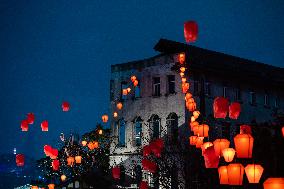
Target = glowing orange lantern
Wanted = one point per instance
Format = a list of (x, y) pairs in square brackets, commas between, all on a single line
[(70, 161), (192, 140), (206, 145), (30, 118), (24, 125), (202, 130), (219, 145), (235, 173), (181, 74), (253, 172), (51, 186), (124, 92), (223, 175), (283, 131), (135, 83), (188, 96), (128, 89), (244, 145), (193, 124), (84, 143), (234, 110), (55, 164), (115, 114), (93, 145), (44, 125), (181, 58), (195, 129), (220, 107), (196, 114), (105, 118), (119, 105), (273, 183), (185, 87), (34, 187), (192, 119), (133, 78), (78, 159), (182, 69), (65, 106), (100, 131), (190, 31), (210, 158), (191, 106), (183, 80), (63, 178), (245, 129), (20, 160), (116, 172), (228, 154), (199, 142)]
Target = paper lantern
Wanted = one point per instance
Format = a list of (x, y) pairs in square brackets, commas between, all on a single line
[(84, 143), (24, 125), (243, 145), (191, 106), (78, 159), (20, 160), (54, 153), (133, 78), (135, 83), (253, 172), (51, 152), (124, 92), (183, 80), (181, 74), (245, 129), (128, 90), (100, 131), (228, 154), (220, 107), (192, 119), (143, 185), (210, 158), (181, 58), (44, 125), (192, 140), (51, 186), (115, 114), (283, 131), (273, 183), (182, 69), (196, 114), (105, 118), (93, 145), (55, 164), (30, 118), (219, 145), (70, 161), (149, 166), (234, 110), (206, 145), (202, 130), (195, 129), (146, 150), (65, 106), (34, 187), (223, 175), (190, 31), (185, 87), (199, 142), (235, 173), (115, 172), (193, 124), (119, 105), (63, 178), (187, 96)]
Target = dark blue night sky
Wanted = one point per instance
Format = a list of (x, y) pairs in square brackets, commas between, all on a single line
[(55, 50)]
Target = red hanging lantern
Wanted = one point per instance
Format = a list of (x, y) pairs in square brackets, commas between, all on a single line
[(30, 118), (190, 31), (219, 145), (192, 140), (143, 185), (124, 92), (65, 106), (202, 130), (220, 107), (135, 83), (245, 129), (78, 159), (116, 172), (228, 154), (24, 125), (187, 96), (20, 160), (199, 142), (119, 105), (235, 173), (234, 110), (105, 118), (44, 125), (133, 78), (146, 150), (47, 150), (206, 145), (223, 175), (54, 153), (253, 172), (181, 58), (191, 106), (244, 145), (283, 131), (55, 164), (273, 183), (185, 87), (210, 158), (149, 165)]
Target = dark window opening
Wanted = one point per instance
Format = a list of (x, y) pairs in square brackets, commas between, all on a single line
[(171, 84), (225, 95), (266, 100), (172, 128), (156, 86), (155, 126), (238, 94), (252, 98), (121, 133), (196, 87)]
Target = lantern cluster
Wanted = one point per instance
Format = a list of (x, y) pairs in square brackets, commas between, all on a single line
[(51, 152), (221, 108)]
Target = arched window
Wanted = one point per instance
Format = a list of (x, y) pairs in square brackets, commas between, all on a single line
[(137, 133), (172, 128), (155, 126), (121, 133)]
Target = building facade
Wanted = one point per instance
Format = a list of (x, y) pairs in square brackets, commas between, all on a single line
[(156, 107)]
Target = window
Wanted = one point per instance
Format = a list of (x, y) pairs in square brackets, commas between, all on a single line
[(123, 86), (195, 87), (155, 126), (156, 86), (172, 128), (207, 89), (225, 92), (138, 131), (171, 84), (277, 102), (238, 94), (121, 133), (252, 98), (266, 100)]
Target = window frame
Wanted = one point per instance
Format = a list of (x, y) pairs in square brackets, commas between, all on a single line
[(135, 132), (156, 87), (171, 79), (252, 98)]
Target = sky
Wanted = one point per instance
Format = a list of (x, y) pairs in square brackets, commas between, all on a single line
[(53, 51)]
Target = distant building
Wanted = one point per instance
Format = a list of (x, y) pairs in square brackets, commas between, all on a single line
[(156, 107)]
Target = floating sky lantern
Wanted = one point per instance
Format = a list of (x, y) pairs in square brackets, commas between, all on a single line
[(206, 145), (70, 161), (253, 172), (65, 106), (283, 131), (183, 80), (20, 160), (115, 114), (182, 69), (210, 158), (192, 140), (84, 143), (181, 58), (30, 118), (191, 106), (196, 114), (44, 125), (93, 145), (202, 130), (223, 175), (235, 173), (199, 142), (115, 172), (24, 125), (135, 83), (234, 110), (185, 87), (219, 145), (124, 92), (105, 118), (100, 131), (228, 154), (63, 178), (119, 105), (181, 74), (243, 145), (192, 119), (51, 186), (55, 164), (133, 78), (187, 96), (51, 152), (274, 183), (220, 107), (78, 159), (190, 31), (34, 187)]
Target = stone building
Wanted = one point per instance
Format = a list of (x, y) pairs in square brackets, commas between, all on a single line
[(156, 109)]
